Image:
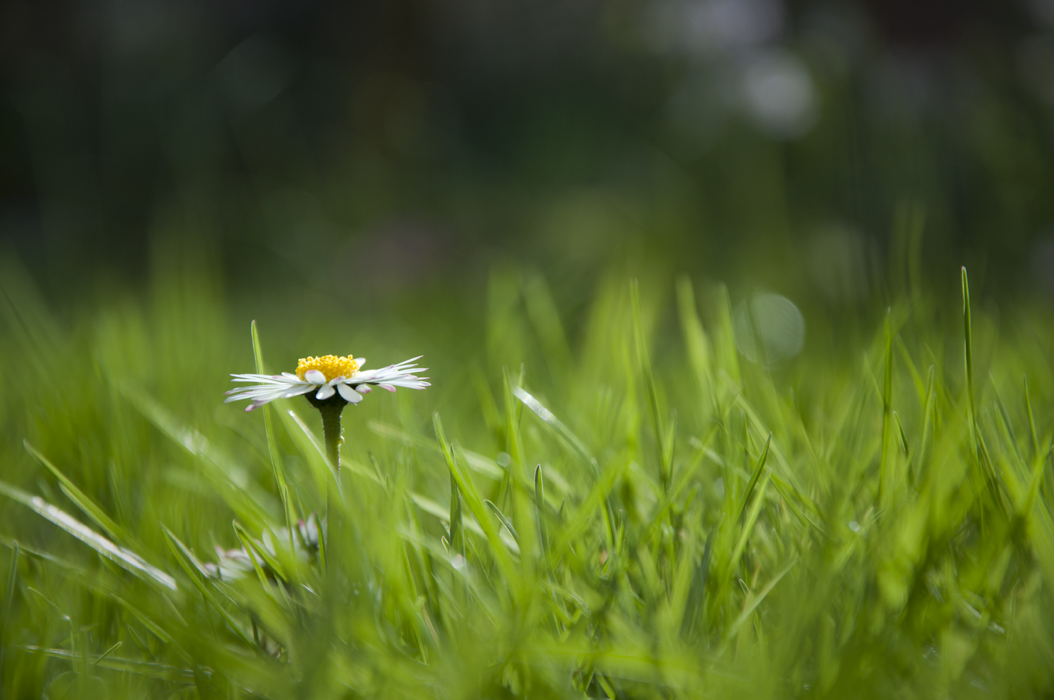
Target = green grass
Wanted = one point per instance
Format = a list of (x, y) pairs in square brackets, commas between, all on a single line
[(639, 511)]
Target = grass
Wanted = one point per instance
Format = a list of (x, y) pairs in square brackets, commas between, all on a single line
[(639, 512)]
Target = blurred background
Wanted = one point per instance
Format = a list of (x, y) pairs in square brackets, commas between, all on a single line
[(372, 157)]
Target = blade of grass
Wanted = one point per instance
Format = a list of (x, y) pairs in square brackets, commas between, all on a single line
[(1036, 453), (198, 574), (504, 521), (9, 596), (272, 448), (475, 504), (649, 385), (80, 499), (884, 467), (557, 426), (124, 558), (754, 476), (981, 449), (756, 600)]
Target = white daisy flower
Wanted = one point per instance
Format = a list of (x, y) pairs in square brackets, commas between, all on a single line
[(327, 376)]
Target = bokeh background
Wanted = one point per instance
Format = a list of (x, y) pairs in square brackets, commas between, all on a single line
[(370, 153), (477, 181)]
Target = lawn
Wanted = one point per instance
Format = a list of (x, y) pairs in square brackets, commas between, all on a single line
[(651, 495)]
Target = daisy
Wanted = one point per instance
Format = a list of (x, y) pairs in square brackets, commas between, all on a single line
[(324, 379)]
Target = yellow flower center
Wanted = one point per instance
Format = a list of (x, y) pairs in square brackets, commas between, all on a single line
[(330, 365)]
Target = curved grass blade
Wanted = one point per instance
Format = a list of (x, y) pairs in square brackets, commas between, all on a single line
[(79, 498), (557, 426), (503, 519), (124, 558)]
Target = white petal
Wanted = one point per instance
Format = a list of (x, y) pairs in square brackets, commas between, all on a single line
[(315, 377), (363, 388), (349, 394), (325, 392)]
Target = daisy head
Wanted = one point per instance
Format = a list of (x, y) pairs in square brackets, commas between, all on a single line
[(329, 379)]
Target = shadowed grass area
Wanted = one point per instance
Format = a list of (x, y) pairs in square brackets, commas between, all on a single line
[(638, 512)]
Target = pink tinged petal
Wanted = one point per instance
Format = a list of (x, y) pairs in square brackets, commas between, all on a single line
[(389, 387), (363, 388), (315, 377), (325, 392), (349, 394)]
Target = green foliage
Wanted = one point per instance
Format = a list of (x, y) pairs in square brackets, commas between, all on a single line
[(666, 519)]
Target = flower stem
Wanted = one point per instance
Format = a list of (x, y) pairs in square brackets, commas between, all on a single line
[(331, 434)]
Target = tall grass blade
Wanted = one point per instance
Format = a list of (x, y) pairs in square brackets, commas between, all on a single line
[(759, 466), (884, 476), (649, 385), (272, 447), (475, 504)]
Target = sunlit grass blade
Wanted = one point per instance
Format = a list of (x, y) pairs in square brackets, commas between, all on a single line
[(80, 499), (124, 558), (558, 427)]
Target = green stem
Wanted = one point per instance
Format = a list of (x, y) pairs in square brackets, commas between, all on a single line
[(331, 434)]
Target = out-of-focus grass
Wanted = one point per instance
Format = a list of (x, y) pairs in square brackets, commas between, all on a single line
[(645, 513)]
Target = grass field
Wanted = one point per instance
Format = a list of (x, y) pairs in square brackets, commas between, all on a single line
[(639, 510)]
